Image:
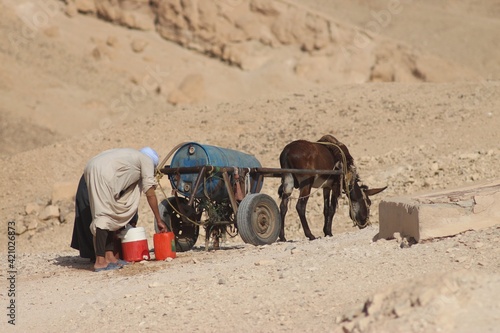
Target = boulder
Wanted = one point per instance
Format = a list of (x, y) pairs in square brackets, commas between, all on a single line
[(32, 208), (138, 45), (85, 6), (191, 90), (31, 222), (49, 212), (134, 14)]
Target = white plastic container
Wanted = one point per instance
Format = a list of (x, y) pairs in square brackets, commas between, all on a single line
[(134, 244)]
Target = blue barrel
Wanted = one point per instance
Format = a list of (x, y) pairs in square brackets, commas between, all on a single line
[(212, 187)]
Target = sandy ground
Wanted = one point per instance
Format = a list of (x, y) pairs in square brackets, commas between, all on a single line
[(73, 85)]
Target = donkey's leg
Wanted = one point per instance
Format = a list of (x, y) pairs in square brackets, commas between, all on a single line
[(284, 192), (328, 211), (301, 209), (333, 207), (331, 213), (283, 211)]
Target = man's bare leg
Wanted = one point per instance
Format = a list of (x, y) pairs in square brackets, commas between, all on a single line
[(104, 248)]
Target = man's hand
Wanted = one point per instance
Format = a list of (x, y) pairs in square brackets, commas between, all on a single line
[(162, 227), (153, 204)]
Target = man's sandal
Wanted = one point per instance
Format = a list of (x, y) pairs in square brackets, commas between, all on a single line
[(122, 262), (111, 266)]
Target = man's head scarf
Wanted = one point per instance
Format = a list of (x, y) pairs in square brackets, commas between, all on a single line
[(152, 154)]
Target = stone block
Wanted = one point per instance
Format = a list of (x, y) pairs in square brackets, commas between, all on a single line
[(441, 214)]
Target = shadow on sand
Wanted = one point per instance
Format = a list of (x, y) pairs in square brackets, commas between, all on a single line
[(74, 262)]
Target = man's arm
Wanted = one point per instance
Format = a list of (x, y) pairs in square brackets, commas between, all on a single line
[(153, 203)]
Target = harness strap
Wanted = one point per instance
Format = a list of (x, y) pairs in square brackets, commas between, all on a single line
[(345, 173)]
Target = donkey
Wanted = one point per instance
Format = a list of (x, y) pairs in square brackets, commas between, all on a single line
[(326, 154)]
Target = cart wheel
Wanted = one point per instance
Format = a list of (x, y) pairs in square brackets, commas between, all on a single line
[(258, 219), (186, 233)]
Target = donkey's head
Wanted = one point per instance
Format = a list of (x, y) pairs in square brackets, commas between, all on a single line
[(359, 202)]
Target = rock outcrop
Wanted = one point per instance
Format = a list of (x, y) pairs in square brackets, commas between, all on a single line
[(251, 34)]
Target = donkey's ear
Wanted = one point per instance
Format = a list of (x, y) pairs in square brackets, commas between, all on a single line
[(373, 191)]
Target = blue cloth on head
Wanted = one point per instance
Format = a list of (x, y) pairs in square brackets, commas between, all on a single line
[(152, 154)]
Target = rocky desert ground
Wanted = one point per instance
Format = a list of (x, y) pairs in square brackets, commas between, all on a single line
[(411, 87)]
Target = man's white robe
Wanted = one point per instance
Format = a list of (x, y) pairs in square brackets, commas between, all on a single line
[(115, 179)]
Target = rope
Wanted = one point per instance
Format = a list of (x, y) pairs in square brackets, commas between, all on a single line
[(247, 182), (170, 154)]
